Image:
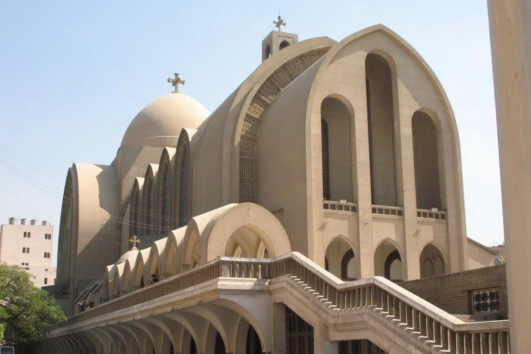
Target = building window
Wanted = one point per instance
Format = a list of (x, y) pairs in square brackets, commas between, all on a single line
[(46, 269), (45, 281), (485, 301), (25, 234), (46, 254), (47, 236), (23, 249)]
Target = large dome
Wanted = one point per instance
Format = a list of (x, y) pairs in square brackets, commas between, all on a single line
[(160, 122)]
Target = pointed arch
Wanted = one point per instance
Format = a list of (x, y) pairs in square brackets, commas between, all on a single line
[(165, 190)]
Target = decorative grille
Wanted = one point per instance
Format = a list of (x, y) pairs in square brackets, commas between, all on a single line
[(485, 301)]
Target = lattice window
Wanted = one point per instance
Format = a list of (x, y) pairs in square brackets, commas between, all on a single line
[(250, 126), (268, 91), (247, 168), (265, 95), (257, 107), (184, 188), (247, 193), (311, 57), (282, 77), (485, 301), (247, 146), (296, 66)]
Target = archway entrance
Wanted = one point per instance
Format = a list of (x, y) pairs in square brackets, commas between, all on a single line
[(340, 260), (388, 262), (431, 262)]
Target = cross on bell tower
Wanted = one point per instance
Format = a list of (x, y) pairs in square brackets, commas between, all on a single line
[(175, 82), (279, 23), (277, 40), (135, 241)]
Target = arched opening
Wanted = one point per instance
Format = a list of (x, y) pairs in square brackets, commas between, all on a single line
[(171, 266), (154, 269), (193, 347), (220, 345), (342, 262), (253, 345), (431, 262), (148, 207), (133, 213), (380, 115), (426, 158), (165, 200), (336, 146), (283, 45), (388, 262), (184, 187), (267, 53), (246, 242)]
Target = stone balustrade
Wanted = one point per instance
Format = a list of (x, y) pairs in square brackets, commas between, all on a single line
[(431, 214), (340, 206), (417, 317), (387, 210)]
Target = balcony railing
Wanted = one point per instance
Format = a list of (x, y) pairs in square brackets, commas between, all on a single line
[(341, 206), (431, 214), (387, 210)]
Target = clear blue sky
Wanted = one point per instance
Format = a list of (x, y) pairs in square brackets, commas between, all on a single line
[(73, 74)]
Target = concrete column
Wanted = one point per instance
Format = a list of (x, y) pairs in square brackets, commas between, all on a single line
[(405, 171), (365, 259), (510, 28)]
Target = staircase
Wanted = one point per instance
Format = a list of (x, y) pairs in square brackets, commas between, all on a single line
[(433, 330)]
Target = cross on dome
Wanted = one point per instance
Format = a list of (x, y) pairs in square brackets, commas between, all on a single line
[(135, 241), (175, 82), (279, 23)]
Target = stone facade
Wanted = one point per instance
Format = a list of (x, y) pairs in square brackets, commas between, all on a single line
[(333, 166)]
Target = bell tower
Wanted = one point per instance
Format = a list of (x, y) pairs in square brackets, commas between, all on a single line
[(277, 40)]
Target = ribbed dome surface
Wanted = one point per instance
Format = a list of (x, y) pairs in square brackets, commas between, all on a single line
[(160, 123)]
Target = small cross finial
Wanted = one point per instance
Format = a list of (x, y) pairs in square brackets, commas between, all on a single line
[(279, 23), (175, 82), (135, 241)]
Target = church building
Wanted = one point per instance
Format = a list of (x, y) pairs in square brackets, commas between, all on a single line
[(311, 212)]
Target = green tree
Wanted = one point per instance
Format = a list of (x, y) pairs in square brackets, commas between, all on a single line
[(25, 310)]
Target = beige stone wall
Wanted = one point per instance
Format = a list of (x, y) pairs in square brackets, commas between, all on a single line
[(479, 256), (414, 88)]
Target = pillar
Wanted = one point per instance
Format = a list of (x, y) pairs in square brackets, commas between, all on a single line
[(510, 29)]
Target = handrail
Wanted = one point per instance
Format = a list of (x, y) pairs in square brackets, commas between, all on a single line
[(416, 315)]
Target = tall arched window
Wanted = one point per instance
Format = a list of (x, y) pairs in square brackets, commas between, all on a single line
[(184, 187), (165, 200), (148, 211), (326, 160), (133, 214), (427, 180), (336, 136), (380, 113)]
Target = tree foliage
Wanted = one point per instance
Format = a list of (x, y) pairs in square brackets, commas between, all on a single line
[(25, 310)]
